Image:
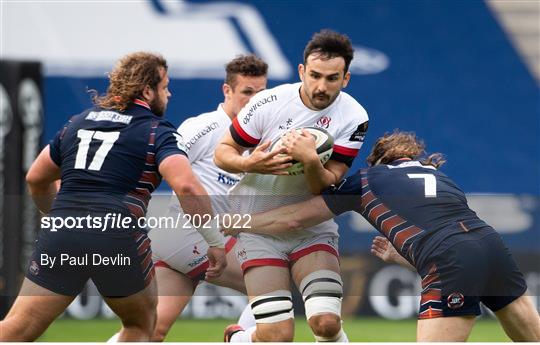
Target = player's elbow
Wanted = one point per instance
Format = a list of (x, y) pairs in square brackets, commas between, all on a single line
[(34, 180), (217, 158), (219, 154), (187, 188)]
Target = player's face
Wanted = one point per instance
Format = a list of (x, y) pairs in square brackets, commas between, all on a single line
[(158, 104), (245, 88), (322, 80)]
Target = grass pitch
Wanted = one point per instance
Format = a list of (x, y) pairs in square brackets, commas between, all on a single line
[(190, 330)]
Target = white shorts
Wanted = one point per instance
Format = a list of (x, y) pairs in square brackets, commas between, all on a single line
[(182, 250), (254, 250)]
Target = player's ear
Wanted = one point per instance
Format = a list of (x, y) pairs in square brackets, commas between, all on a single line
[(148, 93), (346, 79), (227, 90), (301, 71)]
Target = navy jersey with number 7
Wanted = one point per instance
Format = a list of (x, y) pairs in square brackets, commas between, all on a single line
[(109, 160), (415, 206)]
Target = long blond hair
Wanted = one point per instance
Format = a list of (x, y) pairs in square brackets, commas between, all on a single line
[(396, 145), (128, 79)]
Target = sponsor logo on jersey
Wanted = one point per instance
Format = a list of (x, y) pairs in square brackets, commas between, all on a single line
[(332, 242), (196, 250), (180, 142), (198, 261), (255, 106), (360, 133), (230, 181), (324, 122), (202, 133), (241, 255), (110, 116), (287, 124), (455, 300), (34, 268)]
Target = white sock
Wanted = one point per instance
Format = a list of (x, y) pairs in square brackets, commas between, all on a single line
[(114, 338), (243, 336), (247, 319)]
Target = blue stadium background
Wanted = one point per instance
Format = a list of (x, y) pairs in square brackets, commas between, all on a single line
[(453, 77)]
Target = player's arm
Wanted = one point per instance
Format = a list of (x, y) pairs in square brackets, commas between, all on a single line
[(195, 202), (301, 146), (42, 180), (346, 196), (288, 218), (384, 250), (229, 157)]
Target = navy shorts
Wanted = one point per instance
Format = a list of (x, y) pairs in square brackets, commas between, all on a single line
[(477, 268), (119, 264)]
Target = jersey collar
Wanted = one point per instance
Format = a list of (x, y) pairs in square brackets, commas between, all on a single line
[(142, 103)]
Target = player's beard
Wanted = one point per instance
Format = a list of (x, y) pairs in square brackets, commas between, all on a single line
[(158, 107), (322, 100)]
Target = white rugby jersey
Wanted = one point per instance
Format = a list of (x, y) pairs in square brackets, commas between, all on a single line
[(201, 135), (268, 115)]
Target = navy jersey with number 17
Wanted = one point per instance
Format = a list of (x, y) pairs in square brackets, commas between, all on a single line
[(109, 160), (415, 206)]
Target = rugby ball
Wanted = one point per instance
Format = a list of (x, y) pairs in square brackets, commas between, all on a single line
[(324, 143)]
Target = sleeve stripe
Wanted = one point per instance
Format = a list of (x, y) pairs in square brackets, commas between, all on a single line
[(342, 150), (342, 158), (246, 137)]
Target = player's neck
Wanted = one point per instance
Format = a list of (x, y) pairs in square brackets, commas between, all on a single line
[(228, 109)]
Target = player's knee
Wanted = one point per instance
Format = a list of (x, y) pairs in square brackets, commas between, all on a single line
[(270, 309), (325, 325), (322, 292), (16, 328)]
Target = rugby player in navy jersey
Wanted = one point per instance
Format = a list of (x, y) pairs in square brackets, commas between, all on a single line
[(110, 158), (462, 261)]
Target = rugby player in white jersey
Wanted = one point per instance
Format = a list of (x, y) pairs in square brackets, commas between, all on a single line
[(180, 254), (310, 257)]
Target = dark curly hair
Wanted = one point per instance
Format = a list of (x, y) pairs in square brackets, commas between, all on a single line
[(245, 65), (396, 145), (329, 44), (128, 79)]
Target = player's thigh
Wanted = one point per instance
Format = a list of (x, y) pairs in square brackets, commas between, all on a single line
[(174, 292), (232, 277), (261, 280), (315, 261), (271, 302), (133, 269), (138, 309), (317, 276), (34, 309), (520, 320), (453, 280), (448, 329)]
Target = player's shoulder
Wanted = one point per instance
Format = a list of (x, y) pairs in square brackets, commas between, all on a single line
[(207, 122), (276, 95), (162, 125), (349, 105)]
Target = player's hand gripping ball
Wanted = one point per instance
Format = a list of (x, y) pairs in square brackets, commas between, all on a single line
[(324, 144)]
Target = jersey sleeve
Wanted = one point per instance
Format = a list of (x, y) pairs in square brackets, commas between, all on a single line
[(196, 137), (55, 144), (350, 139), (246, 128), (345, 196), (167, 142)]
